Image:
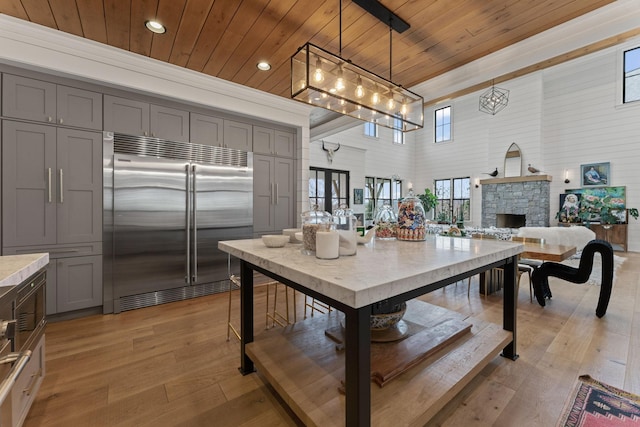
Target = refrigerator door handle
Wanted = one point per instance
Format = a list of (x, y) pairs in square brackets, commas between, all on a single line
[(194, 279), (188, 224)]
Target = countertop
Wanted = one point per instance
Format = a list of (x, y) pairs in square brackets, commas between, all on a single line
[(380, 269), (14, 269)]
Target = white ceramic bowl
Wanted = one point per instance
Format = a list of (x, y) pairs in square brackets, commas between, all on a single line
[(291, 232), (274, 240)]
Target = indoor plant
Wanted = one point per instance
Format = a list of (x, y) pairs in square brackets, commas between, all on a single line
[(428, 199)]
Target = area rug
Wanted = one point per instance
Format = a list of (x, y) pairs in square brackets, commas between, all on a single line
[(596, 404), (596, 273)]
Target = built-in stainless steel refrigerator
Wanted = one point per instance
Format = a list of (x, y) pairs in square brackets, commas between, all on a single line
[(167, 204)]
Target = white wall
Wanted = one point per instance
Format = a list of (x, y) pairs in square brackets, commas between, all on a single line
[(560, 118)]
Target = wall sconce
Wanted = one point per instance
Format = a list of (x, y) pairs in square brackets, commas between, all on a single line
[(566, 176), (477, 182)]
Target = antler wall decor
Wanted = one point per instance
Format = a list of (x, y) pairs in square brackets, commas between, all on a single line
[(330, 152)]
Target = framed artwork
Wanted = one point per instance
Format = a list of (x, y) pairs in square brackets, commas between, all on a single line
[(357, 196), (595, 174)]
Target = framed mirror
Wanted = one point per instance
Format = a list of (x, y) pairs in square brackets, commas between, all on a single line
[(513, 161)]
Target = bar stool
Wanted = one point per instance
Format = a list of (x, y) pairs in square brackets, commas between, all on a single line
[(234, 283), (275, 316), (315, 305)]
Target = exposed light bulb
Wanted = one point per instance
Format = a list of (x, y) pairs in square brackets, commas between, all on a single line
[(318, 75), (375, 98), (390, 102), (359, 88), (340, 80), (403, 109)]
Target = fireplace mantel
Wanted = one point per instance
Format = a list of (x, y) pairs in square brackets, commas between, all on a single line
[(510, 179)]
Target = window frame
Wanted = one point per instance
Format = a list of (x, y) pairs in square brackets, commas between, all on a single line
[(398, 135), (448, 125), (391, 190), (327, 189), (624, 77), (375, 129), (455, 202)]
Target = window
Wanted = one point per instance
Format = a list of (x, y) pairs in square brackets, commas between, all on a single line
[(398, 135), (328, 188), (454, 201), (378, 191), (371, 129), (442, 124), (631, 91)]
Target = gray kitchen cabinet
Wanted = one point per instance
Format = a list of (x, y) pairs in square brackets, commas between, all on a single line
[(69, 284), (126, 116), (79, 283), (206, 130), (37, 100), (51, 185), (274, 142), (133, 117), (273, 194), (238, 135), (285, 144)]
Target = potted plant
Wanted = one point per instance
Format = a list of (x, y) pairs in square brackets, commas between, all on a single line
[(428, 199)]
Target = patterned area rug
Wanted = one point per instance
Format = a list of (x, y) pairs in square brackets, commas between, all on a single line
[(595, 404)]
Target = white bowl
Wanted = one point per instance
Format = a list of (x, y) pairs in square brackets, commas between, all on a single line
[(274, 240), (291, 232)]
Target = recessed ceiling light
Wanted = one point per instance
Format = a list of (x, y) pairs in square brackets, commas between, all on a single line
[(155, 27), (263, 66)]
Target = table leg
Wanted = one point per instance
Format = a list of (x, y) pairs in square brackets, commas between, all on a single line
[(246, 316), (358, 367), (510, 306)]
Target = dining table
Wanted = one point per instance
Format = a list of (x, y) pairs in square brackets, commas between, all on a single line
[(382, 271)]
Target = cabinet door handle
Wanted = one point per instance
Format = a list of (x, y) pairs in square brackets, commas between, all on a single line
[(33, 382), (61, 187), (61, 121), (273, 194), (277, 193), (12, 376), (49, 119), (49, 181)]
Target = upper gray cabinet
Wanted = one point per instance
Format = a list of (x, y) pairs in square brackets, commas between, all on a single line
[(273, 142), (238, 135), (218, 132), (207, 130), (36, 100), (140, 118)]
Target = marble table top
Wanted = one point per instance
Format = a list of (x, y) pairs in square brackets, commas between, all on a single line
[(380, 269), (16, 268)]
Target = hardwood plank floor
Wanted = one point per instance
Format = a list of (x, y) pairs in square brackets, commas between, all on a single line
[(171, 365)]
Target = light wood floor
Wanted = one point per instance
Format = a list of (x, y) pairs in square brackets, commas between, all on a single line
[(171, 365)]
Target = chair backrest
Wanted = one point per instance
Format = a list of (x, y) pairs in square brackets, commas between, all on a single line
[(484, 236), (539, 240)]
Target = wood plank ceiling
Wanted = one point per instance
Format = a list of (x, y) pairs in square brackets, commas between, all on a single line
[(227, 38)]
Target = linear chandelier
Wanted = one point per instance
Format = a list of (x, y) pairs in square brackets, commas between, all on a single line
[(329, 81)]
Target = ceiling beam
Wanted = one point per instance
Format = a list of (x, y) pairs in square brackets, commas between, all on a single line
[(384, 14), (556, 60)]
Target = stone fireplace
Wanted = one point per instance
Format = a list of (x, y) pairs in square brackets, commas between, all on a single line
[(506, 202)]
